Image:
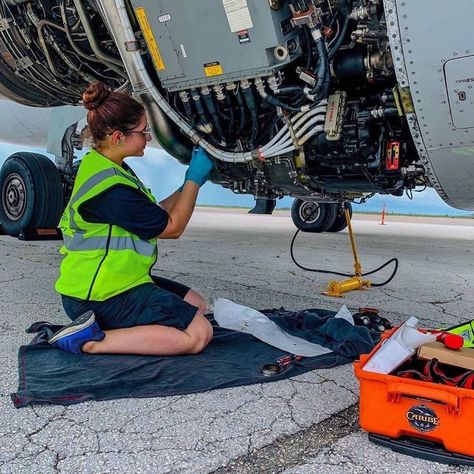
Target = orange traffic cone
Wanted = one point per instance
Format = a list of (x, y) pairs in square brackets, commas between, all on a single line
[(383, 215)]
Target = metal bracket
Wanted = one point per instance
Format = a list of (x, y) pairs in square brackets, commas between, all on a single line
[(132, 46), (23, 63), (403, 99), (4, 24)]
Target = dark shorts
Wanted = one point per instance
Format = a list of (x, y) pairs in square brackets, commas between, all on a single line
[(160, 302)]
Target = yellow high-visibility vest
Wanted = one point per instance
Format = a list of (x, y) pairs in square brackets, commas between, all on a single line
[(101, 260)]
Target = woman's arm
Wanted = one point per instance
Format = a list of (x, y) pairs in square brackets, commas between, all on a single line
[(181, 210), (170, 201)]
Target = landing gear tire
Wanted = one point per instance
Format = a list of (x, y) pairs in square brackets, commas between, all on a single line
[(340, 222), (318, 216), (31, 193)]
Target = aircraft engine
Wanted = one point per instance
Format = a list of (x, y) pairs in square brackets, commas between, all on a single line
[(306, 98)]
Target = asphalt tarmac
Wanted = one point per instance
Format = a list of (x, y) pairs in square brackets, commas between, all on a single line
[(301, 425)]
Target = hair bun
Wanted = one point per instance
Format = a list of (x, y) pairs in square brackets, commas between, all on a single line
[(94, 95)]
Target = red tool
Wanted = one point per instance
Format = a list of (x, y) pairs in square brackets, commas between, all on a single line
[(451, 341)]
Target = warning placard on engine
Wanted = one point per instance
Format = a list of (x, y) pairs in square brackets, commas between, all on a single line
[(238, 15), (213, 69)]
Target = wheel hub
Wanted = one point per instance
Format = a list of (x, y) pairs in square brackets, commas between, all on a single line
[(309, 212), (14, 196)]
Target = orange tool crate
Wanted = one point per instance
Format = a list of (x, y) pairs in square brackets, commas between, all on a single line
[(404, 410)]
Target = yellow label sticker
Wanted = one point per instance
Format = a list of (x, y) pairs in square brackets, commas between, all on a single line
[(150, 39), (213, 69)]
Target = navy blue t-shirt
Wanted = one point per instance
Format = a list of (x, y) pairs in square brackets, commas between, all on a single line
[(127, 208)]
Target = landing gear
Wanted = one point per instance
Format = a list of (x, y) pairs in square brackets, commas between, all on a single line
[(263, 206), (31, 194), (312, 216), (340, 221), (319, 217)]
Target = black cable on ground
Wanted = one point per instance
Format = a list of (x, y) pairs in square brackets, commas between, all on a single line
[(329, 272)]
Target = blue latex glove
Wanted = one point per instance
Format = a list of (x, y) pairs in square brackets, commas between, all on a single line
[(199, 168)]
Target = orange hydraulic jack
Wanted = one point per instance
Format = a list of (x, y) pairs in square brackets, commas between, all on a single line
[(337, 288)]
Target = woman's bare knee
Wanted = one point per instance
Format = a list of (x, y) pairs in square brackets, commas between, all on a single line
[(200, 333), (197, 346), (210, 333), (203, 307), (194, 298)]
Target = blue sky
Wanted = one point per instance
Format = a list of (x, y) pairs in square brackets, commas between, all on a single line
[(163, 175)]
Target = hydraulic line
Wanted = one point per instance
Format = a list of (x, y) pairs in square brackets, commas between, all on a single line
[(204, 123), (60, 53), (290, 90), (43, 44), (321, 89), (285, 142), (298, 120), (275, 138), (184, 97), (249, 99), (309, 123), (311, 133), (76, 48), (281, 152), (345, 7), (212, 109), (240, 104), (279, 103), (334, 46), (113, 63), (228, 104), (330, 272)]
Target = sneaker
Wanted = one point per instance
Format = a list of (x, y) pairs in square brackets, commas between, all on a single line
[(72, 337)]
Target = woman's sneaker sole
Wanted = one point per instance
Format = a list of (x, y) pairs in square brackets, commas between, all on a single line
[(72, 337)]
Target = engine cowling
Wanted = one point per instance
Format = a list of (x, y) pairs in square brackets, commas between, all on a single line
[(308, 98)]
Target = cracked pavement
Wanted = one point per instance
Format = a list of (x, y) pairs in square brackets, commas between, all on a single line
[(301, 425)]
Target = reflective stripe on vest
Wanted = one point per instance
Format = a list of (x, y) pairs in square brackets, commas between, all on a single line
[(78, 242)]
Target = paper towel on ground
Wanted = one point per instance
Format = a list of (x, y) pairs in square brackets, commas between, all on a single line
[(241, 318)]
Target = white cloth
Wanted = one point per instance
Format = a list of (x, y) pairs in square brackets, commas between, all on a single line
[(395, 350), (240, 318)]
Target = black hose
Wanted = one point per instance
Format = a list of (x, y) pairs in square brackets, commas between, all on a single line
[(188, 112), (339, 40), (221, 112), (240, 104), (345, 8), (228, 103), (321, 89), (252, 106), (199, 107), (309, 46), (212, 109), (330, 272), (291, 90), (279, 103)]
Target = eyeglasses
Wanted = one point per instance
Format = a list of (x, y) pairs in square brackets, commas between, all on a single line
[(145, 131)]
